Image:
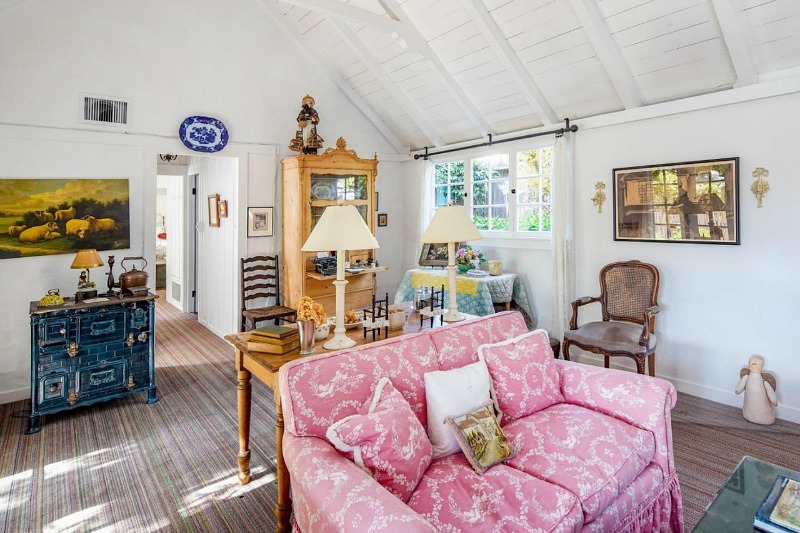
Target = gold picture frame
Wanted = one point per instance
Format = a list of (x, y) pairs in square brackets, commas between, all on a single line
[(213, 210)]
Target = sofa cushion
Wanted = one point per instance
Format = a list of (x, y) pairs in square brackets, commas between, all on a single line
[(452, 497), (453, 393), (481, 439), (457, 345), (387, 441), (331, 386), (525, 378), (592, 455)]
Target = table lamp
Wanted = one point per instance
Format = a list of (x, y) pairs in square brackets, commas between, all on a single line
[(451, 224), (86, 259), (340, 228)]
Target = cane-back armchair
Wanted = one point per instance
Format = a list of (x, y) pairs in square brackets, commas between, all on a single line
[(628, 299)]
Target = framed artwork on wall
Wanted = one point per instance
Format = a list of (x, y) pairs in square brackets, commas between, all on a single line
[(259, 222), (691, 202), (49, 216), (383, 220), (435, 254), (213, 210)]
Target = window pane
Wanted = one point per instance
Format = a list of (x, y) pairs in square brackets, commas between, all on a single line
[(457, 194), (440, 174), (480, 169), (547, 160), (480, 193), (499, 192), (441, 196), (528, 191), (528, 163), (480, 217), (545, 218), (499, 219), (528, 218), (457, 172), (546, 191)]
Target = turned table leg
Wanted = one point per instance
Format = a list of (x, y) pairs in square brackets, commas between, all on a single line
[(283, 508), (243, 396)]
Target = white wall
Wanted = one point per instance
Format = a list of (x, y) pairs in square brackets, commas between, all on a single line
[(720, 304), (172, 60)]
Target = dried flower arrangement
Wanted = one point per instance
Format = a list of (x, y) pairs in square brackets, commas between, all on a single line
[(310, 309)]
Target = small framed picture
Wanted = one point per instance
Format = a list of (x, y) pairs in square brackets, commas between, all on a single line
[(383, 220), (223, 209), (213, 210), (259, 222), (435, 254)]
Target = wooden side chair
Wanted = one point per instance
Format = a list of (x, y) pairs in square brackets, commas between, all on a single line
[(628, 298), (260, 281)]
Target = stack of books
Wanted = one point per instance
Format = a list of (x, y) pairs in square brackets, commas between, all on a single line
[(273, 339), (780, 511)]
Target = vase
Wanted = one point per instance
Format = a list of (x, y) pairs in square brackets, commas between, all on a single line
[(305, 330), (464, 268)]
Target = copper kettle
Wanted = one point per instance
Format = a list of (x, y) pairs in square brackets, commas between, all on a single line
[(134, 278)]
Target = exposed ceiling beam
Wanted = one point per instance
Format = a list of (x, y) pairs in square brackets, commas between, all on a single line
[(417, 41), (294, 35), (737, 39), (607, 52), (427, 127), (511, 61), (334, 7)]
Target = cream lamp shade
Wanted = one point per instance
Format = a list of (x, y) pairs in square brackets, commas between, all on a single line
[(451, 224), (340, 228)]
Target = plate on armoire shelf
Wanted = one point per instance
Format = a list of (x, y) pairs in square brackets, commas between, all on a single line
[(322, 190)]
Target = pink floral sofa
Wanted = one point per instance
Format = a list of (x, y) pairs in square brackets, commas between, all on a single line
[(601, 460)]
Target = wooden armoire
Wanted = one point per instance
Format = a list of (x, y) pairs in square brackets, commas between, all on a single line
[(310, 184)]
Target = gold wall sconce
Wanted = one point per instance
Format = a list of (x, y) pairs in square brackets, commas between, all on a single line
[(760, 186), (599, 196)]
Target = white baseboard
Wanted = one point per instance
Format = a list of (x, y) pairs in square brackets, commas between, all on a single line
[(15, 395), (727, 397)]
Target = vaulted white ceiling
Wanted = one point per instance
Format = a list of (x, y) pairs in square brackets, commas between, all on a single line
[(437, 72)]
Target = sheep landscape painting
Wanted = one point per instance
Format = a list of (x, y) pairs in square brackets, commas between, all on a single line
[(59, 216)]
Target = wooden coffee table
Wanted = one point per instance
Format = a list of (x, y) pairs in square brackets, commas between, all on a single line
[(738, 500)]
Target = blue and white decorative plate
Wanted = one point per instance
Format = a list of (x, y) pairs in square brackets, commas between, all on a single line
[(203, 134)]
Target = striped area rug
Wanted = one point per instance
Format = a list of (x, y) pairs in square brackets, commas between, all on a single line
[(127, 466)]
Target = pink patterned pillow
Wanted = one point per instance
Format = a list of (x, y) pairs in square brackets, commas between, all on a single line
[(525, 378), (386, 440)]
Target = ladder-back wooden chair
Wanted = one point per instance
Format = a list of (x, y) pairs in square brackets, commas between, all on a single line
[(260, 281), (628, 298)]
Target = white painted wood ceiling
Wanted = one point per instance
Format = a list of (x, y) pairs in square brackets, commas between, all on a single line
[(438, 72)]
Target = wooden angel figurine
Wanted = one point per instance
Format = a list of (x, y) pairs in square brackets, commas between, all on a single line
[(759, 392)]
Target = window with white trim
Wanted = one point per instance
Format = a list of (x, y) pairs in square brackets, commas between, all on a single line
[(508, 193)]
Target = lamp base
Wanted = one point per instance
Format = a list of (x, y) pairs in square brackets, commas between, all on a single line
[(453, 316), (340, 341)]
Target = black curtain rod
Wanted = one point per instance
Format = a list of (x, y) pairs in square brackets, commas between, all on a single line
[(559, 132)]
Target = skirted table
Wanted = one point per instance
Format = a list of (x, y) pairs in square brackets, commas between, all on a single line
[(475, 296)]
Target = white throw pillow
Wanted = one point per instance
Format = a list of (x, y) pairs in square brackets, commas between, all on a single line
[(453, 393)]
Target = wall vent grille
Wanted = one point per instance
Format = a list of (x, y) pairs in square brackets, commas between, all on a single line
[(105, 110)]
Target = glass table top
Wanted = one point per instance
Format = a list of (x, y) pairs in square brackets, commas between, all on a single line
[(736, 503)]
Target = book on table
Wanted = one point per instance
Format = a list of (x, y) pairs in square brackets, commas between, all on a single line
[(780, 511), (268, 347), (276, 341), (273, 332)]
